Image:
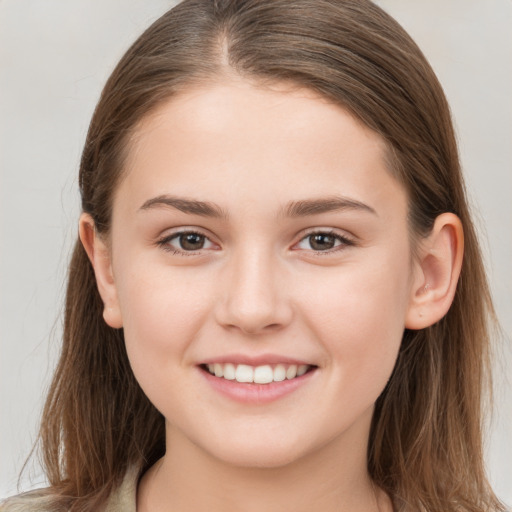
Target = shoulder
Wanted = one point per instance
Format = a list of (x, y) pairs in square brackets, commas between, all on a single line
[(123, 499)]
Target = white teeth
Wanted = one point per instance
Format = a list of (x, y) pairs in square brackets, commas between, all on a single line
[(291, 373), (279, 373), (229, 371), (244, 373), (260, 374), (302, 369), (219, 371), (263, 375)]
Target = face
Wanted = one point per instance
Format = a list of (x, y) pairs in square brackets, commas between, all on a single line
[(257, 234)]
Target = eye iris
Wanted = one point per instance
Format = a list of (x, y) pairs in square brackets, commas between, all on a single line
[(191, 241), (322, 242)]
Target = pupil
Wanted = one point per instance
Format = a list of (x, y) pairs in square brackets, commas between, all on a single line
[(321, 242), (191, 241)]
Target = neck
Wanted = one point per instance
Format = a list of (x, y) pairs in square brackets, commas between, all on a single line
[(332, 479)]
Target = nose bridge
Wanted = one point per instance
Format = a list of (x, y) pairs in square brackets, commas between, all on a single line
[(253, 296)]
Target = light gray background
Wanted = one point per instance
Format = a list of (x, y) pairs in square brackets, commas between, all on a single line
[(55, 56)]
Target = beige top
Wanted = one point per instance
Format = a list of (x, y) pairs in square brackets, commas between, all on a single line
[(123, 500)]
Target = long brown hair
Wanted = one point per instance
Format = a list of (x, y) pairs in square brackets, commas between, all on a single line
[(425, 446)]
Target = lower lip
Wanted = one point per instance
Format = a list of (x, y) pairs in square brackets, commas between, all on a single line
[(249, 393)]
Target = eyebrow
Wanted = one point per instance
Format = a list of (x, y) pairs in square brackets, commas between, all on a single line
[(192, 206), (293, 209), (308, 207)]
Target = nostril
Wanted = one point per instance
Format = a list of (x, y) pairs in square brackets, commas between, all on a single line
[(253, 326)]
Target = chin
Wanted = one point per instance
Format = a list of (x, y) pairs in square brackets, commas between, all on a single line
[(258, 455), (259, 460)]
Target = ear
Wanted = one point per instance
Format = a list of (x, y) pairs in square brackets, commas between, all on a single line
[(100, 257), (436, 272)]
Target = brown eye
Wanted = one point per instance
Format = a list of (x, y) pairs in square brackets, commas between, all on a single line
[(321, 241), (191, 241), (324, 241), (186, 243)]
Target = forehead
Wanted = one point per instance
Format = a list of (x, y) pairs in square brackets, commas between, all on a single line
[(238, 137), (277, 111)]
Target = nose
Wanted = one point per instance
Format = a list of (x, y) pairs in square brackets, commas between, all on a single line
[(254, 297)]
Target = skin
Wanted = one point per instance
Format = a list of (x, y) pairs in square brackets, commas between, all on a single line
[(259, 286)]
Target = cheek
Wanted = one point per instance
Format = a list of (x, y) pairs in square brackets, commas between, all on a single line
[(359, 316), (159, 328), (162, 312)]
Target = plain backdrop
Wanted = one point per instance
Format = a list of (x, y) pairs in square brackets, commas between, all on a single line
[(55, 56)]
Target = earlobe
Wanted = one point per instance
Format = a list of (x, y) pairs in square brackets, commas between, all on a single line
[(437, 271), (100, 258)]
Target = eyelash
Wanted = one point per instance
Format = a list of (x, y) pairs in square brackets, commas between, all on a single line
[(164, 242), (345, 242)]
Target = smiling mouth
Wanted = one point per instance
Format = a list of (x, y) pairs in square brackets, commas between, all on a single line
[(264, 374)]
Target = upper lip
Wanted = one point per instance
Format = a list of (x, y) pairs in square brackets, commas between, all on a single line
[(260, 360)]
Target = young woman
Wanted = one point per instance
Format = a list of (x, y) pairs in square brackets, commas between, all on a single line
[(277, 301)]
